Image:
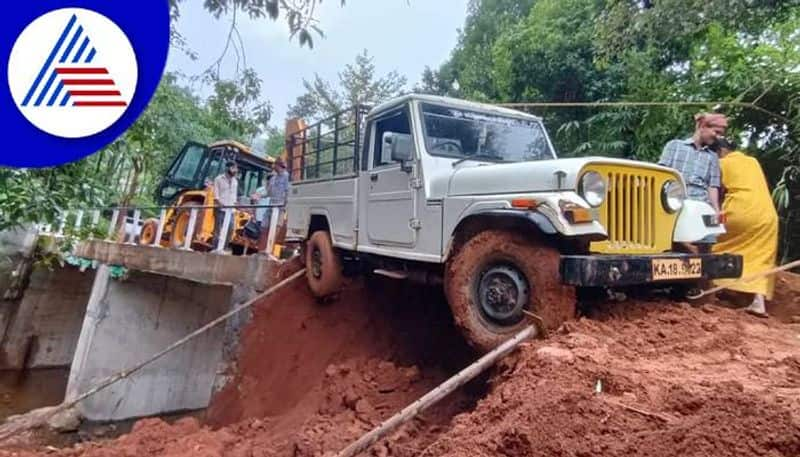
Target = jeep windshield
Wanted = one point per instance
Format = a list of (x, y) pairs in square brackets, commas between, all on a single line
[(472, 135)]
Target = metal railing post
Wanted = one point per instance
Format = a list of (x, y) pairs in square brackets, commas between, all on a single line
[(304, 175), (112, 228), (273, 225), (78, 220), (319, 145), (62, 223), (160, 230), (94, 222), (137, 215), (357, 139), (189, 235), (222, 236), (335, 143)]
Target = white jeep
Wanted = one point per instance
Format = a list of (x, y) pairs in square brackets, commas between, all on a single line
[(472, 196)]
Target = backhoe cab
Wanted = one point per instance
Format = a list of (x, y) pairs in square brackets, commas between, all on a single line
[(188, 185)]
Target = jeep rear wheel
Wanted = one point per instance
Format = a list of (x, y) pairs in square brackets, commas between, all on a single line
[(323, 265), (495, 277)]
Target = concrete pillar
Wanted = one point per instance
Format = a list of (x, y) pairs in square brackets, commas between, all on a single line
[(232, 336), (129, 321), (95, 311)]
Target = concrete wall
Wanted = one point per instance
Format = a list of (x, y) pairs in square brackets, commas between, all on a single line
[(41, 329), (16, 249), (127, 322)]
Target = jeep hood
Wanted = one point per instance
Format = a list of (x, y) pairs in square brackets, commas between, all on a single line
[(534, 176)]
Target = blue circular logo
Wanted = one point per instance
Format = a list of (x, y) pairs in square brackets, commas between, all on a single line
[(78, 75)]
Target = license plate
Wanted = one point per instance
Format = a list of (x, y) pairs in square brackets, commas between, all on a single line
[(664, 269)]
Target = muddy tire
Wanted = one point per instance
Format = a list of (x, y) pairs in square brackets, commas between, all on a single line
[(323, 265), (148, 232), (182, 216), (495, 276)]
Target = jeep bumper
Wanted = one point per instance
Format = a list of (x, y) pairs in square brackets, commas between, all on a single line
[(627, 270)]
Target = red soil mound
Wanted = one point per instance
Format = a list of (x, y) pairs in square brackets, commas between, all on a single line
[(785, 305), (634, 378), (673, 380)]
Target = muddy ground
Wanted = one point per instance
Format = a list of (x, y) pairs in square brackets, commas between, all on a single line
[(645, 377)]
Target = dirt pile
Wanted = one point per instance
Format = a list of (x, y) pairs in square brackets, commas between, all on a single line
[(644, 378), (649, 379), (294, 350), (786, 302)]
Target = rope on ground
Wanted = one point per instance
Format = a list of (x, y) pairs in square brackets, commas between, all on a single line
[(10, 429), (435, 395), (714, 290)]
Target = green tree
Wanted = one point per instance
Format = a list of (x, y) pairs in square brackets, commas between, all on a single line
[(357, 84), (673, 51), (274, 144), (471, 63)]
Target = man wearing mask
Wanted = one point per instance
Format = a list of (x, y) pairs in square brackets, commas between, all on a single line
[(226, 186), (698, 164)]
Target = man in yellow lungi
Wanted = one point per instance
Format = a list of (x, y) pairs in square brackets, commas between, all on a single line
[(751, 223)]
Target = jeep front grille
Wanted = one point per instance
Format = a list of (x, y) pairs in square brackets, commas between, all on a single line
[(629, 215), (632, 212)]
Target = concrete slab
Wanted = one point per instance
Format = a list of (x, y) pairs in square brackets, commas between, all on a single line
[(203, 267)]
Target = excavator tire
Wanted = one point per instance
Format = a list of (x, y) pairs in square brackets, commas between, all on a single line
[(499, 275), (182, 216), (148, 232)]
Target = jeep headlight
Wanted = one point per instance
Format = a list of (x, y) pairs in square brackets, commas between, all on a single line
[(592, 188), (672, 196)]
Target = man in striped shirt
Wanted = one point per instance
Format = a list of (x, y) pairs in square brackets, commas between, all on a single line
[(698, 164)]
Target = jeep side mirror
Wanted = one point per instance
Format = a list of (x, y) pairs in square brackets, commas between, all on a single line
[(400, 148)]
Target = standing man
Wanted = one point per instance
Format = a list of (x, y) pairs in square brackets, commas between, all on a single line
[(273, 192), (699, 165), (226, 187), (278, 187)]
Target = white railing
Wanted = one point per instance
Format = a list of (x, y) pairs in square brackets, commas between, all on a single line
[(132, 225)]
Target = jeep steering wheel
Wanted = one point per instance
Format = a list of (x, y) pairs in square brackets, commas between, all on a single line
[(449, 146)]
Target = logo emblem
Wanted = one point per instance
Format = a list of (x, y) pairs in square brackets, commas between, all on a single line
[(72, 72)]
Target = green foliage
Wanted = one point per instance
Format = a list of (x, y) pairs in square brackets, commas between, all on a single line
[(235, 105), (357, 85), (471, 64), (275, 142), (37, 195), (642, 51)]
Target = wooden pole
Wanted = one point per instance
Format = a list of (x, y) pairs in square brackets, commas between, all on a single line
[(9, 429), (435, 395), (747, 279)]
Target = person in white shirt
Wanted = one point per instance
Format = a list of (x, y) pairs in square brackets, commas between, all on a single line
[(226, 187)]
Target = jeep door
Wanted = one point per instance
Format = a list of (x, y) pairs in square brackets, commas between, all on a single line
[(388, 215)]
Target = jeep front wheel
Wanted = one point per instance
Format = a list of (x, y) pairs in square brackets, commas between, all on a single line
[(495, 277), (323, 265)]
